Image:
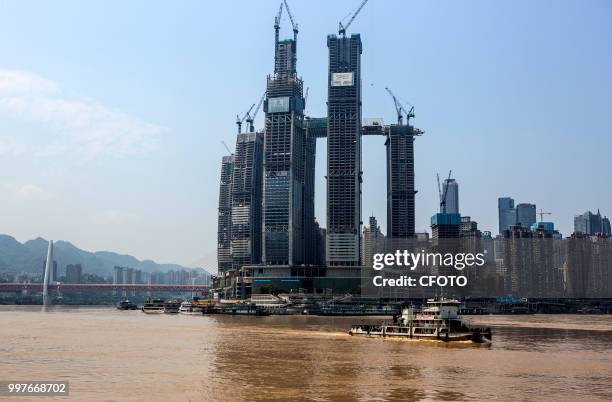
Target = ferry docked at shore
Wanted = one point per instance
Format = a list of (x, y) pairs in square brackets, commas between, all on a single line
[(190, 308), (438, 321), (160, 306)]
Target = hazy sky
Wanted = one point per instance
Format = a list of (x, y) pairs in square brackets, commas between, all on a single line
[(112, 112)]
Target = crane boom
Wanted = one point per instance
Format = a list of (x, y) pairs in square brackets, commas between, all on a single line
[(226, 147), (542, 213), (398, 107), (250, 119), (443, 193), (293, 24), (277, 20), (341, 28)]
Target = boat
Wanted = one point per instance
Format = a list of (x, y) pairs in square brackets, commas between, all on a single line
[(126, 305), (188, 307), (153, 306), (172, 306), (437, 321)]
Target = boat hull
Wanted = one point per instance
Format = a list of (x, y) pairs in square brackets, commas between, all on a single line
[(407, 333), (153, 311)]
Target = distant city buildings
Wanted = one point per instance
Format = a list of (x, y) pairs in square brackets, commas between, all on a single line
[(74, 273), (506, 213), (373, 241), (445, 226), (526, 215), (591, 224), (523, 214), (469, 228), (129, 275)]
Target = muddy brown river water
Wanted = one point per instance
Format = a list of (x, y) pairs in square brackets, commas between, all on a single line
[(108, 354)]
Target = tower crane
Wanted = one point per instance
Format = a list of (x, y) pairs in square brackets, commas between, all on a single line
[(341, 28), (277, 21), (443, 193), (399, 108), (293, 24), (250, 119), (295, 32), (542, 213), (239, 120)]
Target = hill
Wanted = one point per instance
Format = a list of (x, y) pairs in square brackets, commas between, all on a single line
[(18, 257)]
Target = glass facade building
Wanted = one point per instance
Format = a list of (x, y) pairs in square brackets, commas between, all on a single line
[(284, 162)]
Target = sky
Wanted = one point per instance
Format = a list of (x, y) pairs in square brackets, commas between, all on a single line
[(112, 113)]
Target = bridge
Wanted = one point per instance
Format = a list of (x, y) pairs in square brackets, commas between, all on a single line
[(102, 287)]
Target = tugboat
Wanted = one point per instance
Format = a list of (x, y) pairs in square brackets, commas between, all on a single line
[(126, 305), (438, 321)]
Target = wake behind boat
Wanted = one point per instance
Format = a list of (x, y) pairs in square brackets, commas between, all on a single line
[(438, 321)]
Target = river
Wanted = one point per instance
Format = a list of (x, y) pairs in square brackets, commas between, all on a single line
[(108, 354)]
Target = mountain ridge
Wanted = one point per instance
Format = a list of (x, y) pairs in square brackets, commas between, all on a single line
[(16, 257)]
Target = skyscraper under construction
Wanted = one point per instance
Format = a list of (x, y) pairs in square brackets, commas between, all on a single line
[(344, 175), (285, 191), (400, 181), (246, 196), (224, 228)]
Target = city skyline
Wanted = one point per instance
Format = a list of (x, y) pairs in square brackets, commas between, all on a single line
[(191, 207)]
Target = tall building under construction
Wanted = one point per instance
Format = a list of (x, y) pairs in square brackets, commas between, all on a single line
[(246, 196), (224, 228), (400, 181), (344, 175), (284, 177)]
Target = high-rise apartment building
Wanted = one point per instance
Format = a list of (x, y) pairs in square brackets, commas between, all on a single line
[(224, 224), (344, 175)]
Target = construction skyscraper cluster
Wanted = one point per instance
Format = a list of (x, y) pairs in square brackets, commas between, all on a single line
[(267, 233)]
